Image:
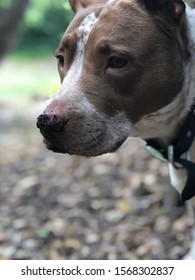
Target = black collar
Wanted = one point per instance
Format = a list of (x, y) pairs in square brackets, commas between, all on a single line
[(176, 149)]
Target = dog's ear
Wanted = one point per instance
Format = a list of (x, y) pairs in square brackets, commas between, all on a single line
[(77, 5), (168, 9)]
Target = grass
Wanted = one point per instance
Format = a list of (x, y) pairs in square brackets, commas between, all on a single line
[(23, 77), (30, 52)]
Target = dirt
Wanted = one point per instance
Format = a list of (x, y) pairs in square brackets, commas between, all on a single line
[(66, 207)]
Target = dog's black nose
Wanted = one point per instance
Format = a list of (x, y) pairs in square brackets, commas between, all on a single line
[(50, 124)]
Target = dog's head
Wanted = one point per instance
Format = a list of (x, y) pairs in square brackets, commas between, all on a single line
[(119, 60)]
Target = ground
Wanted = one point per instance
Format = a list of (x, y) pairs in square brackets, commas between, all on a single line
[(66, 207)]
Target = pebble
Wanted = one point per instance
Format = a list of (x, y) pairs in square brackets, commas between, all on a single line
[(85, 251), (149, 179), (59, 223), (176, 252), (72, 243), (96, 204), (24, 184), (28, 182), (112, 256), (101, 169), (93, 192), (17, 238), (92, 238), (180, 224), (152, 245), (19, 223), (162, 224), (114, 216), (3, 237), (8, 252), (30, 244), (21, 254)]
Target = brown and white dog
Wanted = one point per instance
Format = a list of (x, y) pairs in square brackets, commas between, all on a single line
[(128, 70)]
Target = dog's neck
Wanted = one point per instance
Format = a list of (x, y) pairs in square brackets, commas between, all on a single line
[(163, 125)]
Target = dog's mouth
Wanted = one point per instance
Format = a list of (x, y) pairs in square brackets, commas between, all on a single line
[(56, 148), (87, 149)]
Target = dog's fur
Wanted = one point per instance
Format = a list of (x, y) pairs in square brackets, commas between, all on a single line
[(127, 69)]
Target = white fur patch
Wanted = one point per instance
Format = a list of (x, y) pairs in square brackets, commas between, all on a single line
[(191, 20), (177, 177), (72, 76), (82, 34), (82, 37), (84, 31)]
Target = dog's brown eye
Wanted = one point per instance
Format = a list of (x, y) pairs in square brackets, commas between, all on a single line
[(60, 59), (116, 62)]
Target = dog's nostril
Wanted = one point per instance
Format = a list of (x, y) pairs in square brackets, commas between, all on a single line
[(51, 123)]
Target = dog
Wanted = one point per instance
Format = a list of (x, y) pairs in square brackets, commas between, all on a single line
[(127, 69)]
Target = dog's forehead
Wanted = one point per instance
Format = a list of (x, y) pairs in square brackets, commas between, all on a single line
[(86, 18)]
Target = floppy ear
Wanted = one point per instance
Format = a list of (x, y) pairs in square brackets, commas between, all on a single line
[(169, 9), (77, 5)]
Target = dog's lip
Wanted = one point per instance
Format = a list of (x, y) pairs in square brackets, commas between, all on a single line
[(88, 150), (54, 148)]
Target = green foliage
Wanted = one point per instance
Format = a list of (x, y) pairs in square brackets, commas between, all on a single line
[(31, 67), (6, 3), (31, 78), (43, 25)]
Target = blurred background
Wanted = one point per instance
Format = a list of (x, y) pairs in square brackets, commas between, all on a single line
[(66, 207)]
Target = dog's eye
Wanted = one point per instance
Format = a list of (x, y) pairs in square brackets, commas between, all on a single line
[(116, 62), (60, 59)]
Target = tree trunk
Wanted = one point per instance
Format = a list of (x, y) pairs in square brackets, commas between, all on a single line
[(9, 21)]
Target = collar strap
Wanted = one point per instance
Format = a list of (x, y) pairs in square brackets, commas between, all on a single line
[(173, 153)]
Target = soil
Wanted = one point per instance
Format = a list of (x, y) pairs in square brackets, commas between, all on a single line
[(56, 206)]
